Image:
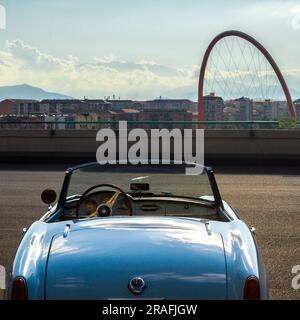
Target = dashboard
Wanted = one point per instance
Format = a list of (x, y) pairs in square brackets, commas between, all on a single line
[(142, 205), (90, 204)]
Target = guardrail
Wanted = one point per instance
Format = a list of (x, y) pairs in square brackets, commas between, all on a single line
[(73, 125), (232, 145)]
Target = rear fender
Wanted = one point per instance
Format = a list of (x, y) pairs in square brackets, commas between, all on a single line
[(31, 258)]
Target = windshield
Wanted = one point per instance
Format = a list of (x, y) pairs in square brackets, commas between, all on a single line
[(159, 180)]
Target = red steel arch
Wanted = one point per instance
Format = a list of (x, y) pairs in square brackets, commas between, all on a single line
[(262, 49)]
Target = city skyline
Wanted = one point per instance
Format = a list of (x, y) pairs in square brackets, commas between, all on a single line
[(133, 49)]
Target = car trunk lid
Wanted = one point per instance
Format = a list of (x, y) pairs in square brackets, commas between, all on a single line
[(178, 258)]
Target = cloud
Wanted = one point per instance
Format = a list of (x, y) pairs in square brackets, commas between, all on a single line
[(100, 76), (105, 76), (287, 11)]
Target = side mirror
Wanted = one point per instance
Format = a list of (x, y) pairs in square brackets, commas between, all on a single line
[(48, 196)]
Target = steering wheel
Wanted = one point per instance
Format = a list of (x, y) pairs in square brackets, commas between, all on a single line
[(104, 209)]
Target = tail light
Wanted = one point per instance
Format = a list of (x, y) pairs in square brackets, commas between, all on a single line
[(19, 289), (252, 290)]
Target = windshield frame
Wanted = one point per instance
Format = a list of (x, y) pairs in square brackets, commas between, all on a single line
[(63, 197)]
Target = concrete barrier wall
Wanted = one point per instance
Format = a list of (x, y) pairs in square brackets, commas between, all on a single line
[(82, 144)]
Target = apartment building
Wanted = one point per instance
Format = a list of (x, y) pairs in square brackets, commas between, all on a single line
[(19, 107)]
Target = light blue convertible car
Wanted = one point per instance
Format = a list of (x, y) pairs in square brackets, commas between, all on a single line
[(123, 231)]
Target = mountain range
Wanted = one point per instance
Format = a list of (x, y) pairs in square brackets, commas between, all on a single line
[(25, 91)]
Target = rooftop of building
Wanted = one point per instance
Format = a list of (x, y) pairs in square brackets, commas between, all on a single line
[(64, 101), (119, 101), (169, 100), (212, 96), (97, 101), (167, 110), (130, 110), (243, 99)]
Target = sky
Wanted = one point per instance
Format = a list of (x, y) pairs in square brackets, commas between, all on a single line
[(135, 48)]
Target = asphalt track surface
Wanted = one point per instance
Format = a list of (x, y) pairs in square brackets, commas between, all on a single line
[(267, 198)]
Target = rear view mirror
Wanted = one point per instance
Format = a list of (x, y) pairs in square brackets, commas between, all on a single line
[(139, 186), (48, 196)]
